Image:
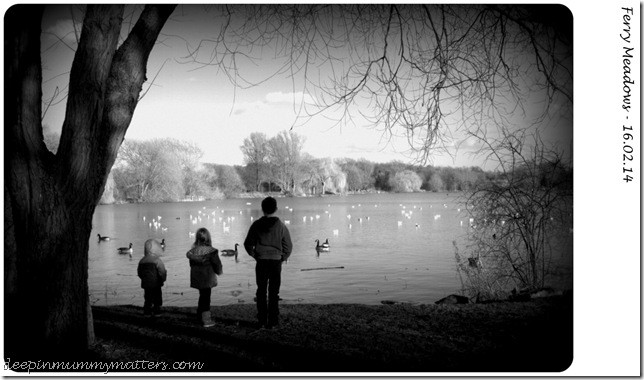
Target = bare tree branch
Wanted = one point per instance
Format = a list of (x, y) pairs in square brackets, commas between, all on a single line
[(424, 71)]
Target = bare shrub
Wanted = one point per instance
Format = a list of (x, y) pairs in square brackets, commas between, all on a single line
[(516, 219)]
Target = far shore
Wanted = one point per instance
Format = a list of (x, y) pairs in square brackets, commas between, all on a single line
[(261, 195)]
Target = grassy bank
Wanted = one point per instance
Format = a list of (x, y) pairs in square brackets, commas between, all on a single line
[(529, 336)]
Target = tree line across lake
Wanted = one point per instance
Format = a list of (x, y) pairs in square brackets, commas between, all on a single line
[(162, 170), (167, 170)]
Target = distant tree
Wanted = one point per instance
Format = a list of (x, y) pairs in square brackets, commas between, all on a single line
[(334, 179), (425, 173), (358, 173), (156, 170), (248, 174), (448, 177), (366, 170), (284, 158), (241, 171), (255, 150), (320, 176), (435, 183), (311, 175), (210, 178), (195, 184), (354, 177), (466, 179), (188, 153), (209, 175), (405, 182), (229, 181), (384, 172), (381, 178)]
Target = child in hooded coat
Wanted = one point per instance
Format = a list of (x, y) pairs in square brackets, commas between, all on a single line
[(153, 274)]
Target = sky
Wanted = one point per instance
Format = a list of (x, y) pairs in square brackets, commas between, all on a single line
[(199, 104)]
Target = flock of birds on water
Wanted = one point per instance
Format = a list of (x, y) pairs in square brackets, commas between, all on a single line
[(408, 217), (319, 247), (155, 223)]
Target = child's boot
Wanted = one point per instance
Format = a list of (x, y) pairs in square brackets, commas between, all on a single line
[(206, 320)]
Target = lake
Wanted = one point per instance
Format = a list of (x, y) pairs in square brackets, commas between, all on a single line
[(383, 247)]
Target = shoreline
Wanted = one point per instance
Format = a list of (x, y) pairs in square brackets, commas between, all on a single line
[(518, 336), (258, 195)]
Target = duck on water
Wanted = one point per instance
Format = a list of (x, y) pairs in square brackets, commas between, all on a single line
[(230, 252), (103, 238), (324, 247), (126, 250)]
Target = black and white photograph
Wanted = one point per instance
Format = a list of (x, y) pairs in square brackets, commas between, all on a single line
[(322, 189)]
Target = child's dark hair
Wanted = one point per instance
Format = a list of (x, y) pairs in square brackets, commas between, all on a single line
[(269, 205), (202, 237)]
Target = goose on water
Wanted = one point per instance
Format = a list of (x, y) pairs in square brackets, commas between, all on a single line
[(103, 238), (230, 252), (124, 250), (163, 243), (324, 247)]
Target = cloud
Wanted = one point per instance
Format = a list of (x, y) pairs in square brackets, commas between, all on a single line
[(289, 97), (468, 144), (352, 148)]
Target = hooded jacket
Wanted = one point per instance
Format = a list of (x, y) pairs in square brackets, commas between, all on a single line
[(151, 269), (205, 265), (268, 239)]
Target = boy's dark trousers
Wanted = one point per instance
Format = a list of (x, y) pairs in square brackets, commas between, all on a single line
[(268, 274), (153, 300)]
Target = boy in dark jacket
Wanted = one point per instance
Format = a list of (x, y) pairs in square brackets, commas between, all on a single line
[(269, 243), (153, 274)]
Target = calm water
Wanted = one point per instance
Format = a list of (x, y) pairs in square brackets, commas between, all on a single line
[(391, 247)]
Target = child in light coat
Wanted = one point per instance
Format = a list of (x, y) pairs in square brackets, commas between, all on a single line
[(205, 265)]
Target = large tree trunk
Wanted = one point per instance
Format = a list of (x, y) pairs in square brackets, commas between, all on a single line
[(50, 199)]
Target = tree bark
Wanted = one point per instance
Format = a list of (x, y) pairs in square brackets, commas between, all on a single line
[(50, 199)]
